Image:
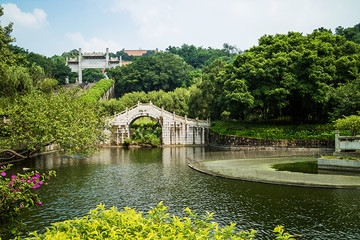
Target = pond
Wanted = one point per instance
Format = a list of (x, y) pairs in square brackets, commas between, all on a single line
[(140, 179)]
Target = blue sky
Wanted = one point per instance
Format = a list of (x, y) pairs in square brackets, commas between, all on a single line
[(51, 27)]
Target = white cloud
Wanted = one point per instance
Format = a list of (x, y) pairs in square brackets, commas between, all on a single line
[(94, 44), (239, 22), (35, 20)]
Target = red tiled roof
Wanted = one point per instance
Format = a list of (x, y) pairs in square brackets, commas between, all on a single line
[(136, 53)]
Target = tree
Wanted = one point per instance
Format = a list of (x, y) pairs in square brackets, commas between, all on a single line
[(72, 54), (39, 119), (351, 33), (163, 71), (61, 71), (207, 95), (92, 75), (237, 98), (5, 39), (124, 56), (345, 100), (200, 57), (293, 75)]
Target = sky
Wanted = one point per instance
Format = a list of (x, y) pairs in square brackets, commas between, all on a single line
[(51, 27)]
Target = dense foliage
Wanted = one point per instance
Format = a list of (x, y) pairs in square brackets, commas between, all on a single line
[(96, 92), (18, 193), (351, 33), (39, 119), (294, 75), (156, 224), (273, 131), (163, 71), (173, 101), (53, 67), (199, 57), (146, 133), (351, 123), (92, 75)]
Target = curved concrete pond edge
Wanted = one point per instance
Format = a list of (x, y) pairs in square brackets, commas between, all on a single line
[(231, 169)]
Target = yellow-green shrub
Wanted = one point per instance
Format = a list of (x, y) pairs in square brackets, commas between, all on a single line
[(156, 224)]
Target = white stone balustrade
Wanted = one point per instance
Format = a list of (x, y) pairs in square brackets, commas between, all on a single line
[(176, 130)]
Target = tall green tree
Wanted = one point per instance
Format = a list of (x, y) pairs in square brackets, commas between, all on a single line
[(351, 33), (293, 75), (164, 71), (39, 119)]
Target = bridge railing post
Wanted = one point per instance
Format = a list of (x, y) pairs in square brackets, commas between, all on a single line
[(337, 141)]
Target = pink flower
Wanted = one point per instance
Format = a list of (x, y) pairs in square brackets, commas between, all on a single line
[(18, 190), (35, 187), (3, 174), (38, 175), (28, 181), (12, 190), (13, 177), (41, 183), (21, 205), (40, 203), (12, 182)]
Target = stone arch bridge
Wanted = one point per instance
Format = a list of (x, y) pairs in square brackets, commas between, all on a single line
[(176, 130)]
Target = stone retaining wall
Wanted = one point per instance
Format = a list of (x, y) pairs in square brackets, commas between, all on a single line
[(339, 164), (235, 141)]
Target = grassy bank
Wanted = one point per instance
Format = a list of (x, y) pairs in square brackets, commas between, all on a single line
[(274, 131)]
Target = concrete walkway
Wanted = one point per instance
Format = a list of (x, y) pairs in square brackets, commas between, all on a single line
[(260, 170)]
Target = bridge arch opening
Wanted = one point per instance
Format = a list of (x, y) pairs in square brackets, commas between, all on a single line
[(176, 130), (146, 130)]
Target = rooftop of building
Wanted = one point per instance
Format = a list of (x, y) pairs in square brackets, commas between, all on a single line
[(137, 53), (94, 55)]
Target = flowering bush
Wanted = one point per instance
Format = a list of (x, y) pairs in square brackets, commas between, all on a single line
[(18, 192)]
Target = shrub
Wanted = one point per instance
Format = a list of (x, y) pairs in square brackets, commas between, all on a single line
[(18, 193), (127, 141), (273, 131), (156, 224), (351, 123), (96, 92)]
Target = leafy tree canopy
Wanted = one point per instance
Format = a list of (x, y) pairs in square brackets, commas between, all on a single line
[(293, 75), (39, 119), (92, 75), (351, 33), (164, 71), (199, 57)]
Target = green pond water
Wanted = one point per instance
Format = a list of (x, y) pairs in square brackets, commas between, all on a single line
[(140, 179)]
